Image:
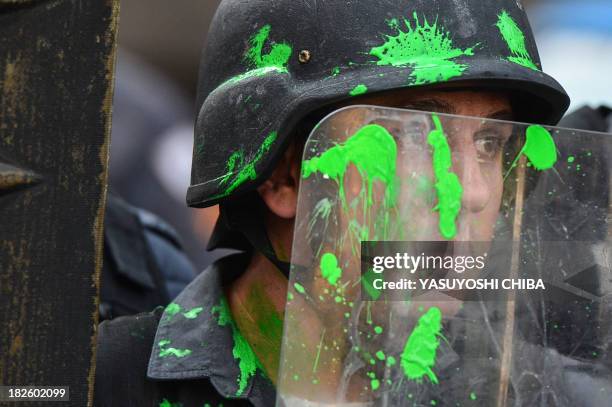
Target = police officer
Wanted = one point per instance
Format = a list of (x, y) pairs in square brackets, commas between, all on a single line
[(271, 70)]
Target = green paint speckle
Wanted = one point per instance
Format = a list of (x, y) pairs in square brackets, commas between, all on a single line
[(165, 352), (299, 288), (193, 313), (378, 330), (427, 48), (447, 185), (571, 159), (380, 355), (419, 354), (473, 396), (167, 403), (329, 268), (279, 54), (391, 361), (358, 90), (171, 310), (375, 383), (371, 149), (515, 39), (247, 361), (239, 170), (335, 71)]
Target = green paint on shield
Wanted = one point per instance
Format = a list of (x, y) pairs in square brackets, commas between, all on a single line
[(239, 171), (419, 354), (473, 396), (372, 150), (193, 313), (329, 268), (171, 310), (426, 48), (279, 54), (540, 148), (514, 37), (247, 361), (447, 185), (358, 90), (375, 383), (571, 159)]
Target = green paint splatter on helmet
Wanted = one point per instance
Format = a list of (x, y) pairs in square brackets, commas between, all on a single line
[(419, 354), (447, 185), (358, 90), (278, 57), (371, 149), (247, 361), (193, 313), (329, 268), (239, 170), (515, 39), (427, 48)]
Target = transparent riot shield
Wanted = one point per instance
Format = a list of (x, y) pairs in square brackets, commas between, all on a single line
[(442, 260)]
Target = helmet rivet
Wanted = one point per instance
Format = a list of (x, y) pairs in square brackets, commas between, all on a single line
[(304, 56)]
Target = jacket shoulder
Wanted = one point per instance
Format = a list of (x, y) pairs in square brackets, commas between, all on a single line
[(123, 350)]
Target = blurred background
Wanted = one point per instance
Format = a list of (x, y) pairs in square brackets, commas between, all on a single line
[(160, 44)]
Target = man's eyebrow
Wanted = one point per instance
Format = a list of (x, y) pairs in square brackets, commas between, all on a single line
[(504, 114), (430, 105)]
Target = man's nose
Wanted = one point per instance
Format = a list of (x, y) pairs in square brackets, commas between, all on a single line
[(476, 188)]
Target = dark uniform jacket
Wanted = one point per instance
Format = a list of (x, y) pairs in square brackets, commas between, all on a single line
[(188, 354)]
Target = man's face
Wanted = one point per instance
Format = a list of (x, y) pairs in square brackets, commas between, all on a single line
[(476, 150)]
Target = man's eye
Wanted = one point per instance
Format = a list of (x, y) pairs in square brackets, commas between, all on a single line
[(488, 147)]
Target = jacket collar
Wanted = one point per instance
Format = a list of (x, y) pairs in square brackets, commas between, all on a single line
[(197, 338)]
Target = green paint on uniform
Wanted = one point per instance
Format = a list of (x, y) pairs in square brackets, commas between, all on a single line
[(279, 54), (166, 403), (329, 268), (299, 288), (514, 37), (426, 48), (378, 330), (335, 71), (375, 383), (372, 150), (380, 355), (473, 396), (193, 313), (447, 185), (171, 310), (419, 354), (239, 171), (358, 90), (165, 352), (247, 361)]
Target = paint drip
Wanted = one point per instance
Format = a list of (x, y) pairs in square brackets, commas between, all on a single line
[(515, 39), (240, 171), (247, 361), (419, 355), (427, 48), (448, 187), (372, 150), (329, 268), (539, 148)]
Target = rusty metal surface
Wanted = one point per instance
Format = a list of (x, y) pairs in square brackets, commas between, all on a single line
[(56, 69)]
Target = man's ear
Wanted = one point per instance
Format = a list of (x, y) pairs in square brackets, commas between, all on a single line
[(280, 190)]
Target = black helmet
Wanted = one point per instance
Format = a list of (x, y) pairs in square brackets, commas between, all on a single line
[(269, 63)]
